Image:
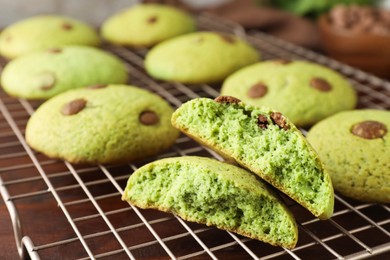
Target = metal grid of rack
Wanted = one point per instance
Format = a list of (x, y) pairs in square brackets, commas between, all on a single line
[(89, 221)]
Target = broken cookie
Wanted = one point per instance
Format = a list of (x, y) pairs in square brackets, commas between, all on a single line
[(263, 141)]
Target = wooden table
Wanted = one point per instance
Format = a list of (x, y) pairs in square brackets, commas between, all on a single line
[(7, 240)]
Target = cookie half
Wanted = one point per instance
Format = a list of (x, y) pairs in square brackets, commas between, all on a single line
[(303, 91), (145, 25), (201, 57), (214, 193), (263, 141), (44, 32), (355, 149), (111, 124), (44, 74)]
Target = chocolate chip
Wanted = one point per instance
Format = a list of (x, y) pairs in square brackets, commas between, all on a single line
[(45, 80), (152, 19), (199, 39), (54, 50), (257, 91), (282, 61), (8, 38), (262, 121), (73, 107), (227, 99), (97, 86), (228, 38), (369, 130), (148, 118), (320, 84), (67, 26), (280, 120)]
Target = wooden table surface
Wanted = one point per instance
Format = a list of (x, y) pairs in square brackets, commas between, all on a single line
[(7, 241)]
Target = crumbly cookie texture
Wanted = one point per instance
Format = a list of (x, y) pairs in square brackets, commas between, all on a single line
[(355, 148), (303, 91), (44, 74), (201, 57), (111, 124), (145, 25), (214, 193), (263, 141), (44, 32)]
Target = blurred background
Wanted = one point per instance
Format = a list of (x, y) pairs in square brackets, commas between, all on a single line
[(295, 21), (90, 11), (95, 11)]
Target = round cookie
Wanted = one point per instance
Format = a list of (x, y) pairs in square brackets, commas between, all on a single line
[(305, 92), (41, 75), (111, 124), (43, 32), (355, 147), (146, 25), (202, 57)]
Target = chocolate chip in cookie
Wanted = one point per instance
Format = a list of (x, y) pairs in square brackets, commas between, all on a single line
[(54, 50), (8, 38), (369, 129), (67, 26), (152, 19), (73, 107), (262, 121), (149, 118), (227, 99), (228, 38), (320, 84), (97, 86), (45, 80), (257, 91), (280, 120)]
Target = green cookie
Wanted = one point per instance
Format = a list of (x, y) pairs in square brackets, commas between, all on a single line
[(146, 25), (41, 75), (111, 124), (263, 141), (43, 32), (214, 193), (305, 92), (202, 57), (355, 148)]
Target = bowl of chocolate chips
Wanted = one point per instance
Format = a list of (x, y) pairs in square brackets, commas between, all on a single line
[(358, 36)]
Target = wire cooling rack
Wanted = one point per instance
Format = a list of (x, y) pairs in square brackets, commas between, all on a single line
[(64, 211)]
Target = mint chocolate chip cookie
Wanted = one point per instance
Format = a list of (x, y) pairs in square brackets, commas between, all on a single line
[(201, 57), (44, 32), (265, 142), (145, 25), (305, 92), (102, 124), (44, 74), (214, 193), (355, 149)]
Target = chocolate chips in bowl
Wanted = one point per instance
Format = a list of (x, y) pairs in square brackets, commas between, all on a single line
[(358, 36)]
